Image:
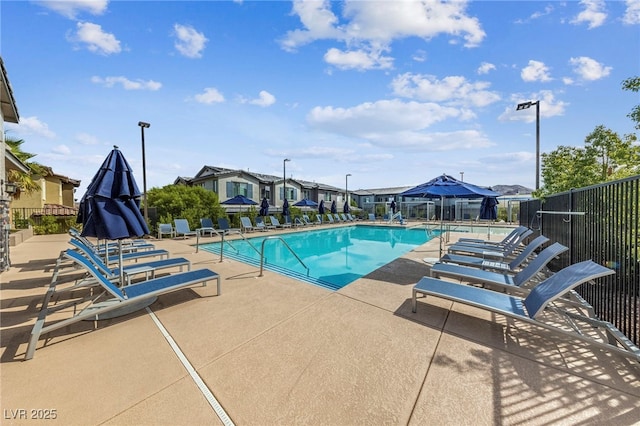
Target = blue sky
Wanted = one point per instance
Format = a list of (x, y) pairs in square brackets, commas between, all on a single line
[(393, 93)]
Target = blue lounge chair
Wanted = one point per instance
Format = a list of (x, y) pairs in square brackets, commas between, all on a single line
[(541, 298), (182, 228), (298, 222), (276, 223), (147, 268), (206, 227), (126, 245), (223, 225), (330, 218), (261, 225), (488, 250), (481, 262), (510, 237), (318, 220), (247, 226), (505, 282), (112, 258), (119, 296), (166, 229), (372, 217)]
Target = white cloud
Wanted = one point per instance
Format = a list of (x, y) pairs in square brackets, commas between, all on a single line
[(384, 116), (32, 126), (71, 8), (357, 59), (549, 107), (455, 90), (535, 71), (369, 28), (95, 39), (126, 83), (632, 14), (61, 149), (265, 99), (589, 69), (536, 15), (594, 13), (190, 42), (485, 67), (210, 96), (87, 139)]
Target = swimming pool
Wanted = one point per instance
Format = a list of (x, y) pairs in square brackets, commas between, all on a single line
[(335, 256)]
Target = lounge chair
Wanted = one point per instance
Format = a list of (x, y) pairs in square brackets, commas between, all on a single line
[(330, 218), (298, 222), (372, 217), (539, 302), (148, 268), (166, 229), (113, 258), (488, 250), (261, 226), (206, 227), (343, 217), (276, 223), (483, 263), (182, 228), (503, 281), (127, 246), (318, 220), (287, 222), (337, 217), (510, 237), (247, 226), (116, 297), (223, 225)]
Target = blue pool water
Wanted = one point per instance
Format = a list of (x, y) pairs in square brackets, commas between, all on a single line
[(335, 256)]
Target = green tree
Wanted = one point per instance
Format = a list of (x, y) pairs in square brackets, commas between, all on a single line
[(633, 84), (25, 181), (605, 157), (185, 202)]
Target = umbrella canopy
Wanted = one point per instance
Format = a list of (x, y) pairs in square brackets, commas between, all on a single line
[(307, 203), (264, 207), (321, 207), (334, 209), (346, 208), (489, 208), (240, 200), (110, 209), (285, 208), (447, 187)]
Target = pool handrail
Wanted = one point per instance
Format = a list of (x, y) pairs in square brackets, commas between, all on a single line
[(275, 237)]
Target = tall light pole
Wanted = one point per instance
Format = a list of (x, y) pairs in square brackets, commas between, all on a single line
[(526, 105), (144, 125), (284, 179), (346, 188), (461, 176)]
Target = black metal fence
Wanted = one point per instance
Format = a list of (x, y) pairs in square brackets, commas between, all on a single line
[(602, 223)]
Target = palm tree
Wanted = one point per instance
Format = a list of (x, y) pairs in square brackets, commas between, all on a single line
[(24, 181)]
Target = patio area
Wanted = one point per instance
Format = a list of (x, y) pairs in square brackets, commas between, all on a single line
[(275, 351)]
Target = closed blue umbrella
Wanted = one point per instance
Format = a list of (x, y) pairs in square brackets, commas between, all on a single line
[(321, 207), (110, 209), (285, 208), (346, 208), (334, 209), (264, 207), (489, 208)]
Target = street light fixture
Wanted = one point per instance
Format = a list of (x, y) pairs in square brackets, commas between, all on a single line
[(527, 105), (143, 126), (346, 187), (284, 179), (461, 176)]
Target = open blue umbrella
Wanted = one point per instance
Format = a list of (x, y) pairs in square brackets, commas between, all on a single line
[(307, 203), (110, 209), (446, 186), (264, 207), (285, 208), (334, 209), (321, 207), (240, 200)]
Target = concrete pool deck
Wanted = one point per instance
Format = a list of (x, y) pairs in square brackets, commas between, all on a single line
[(276, 351)]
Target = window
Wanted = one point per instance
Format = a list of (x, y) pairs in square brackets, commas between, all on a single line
[(239, 188)]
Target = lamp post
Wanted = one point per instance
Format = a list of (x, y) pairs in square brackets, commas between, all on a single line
[(284, 179), (346, 188), (526, 105), (144, 125), (461, 176)]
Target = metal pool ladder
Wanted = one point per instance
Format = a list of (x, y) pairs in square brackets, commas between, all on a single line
[(286, 245)]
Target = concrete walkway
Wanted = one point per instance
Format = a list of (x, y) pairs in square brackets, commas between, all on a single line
[(276, 351)]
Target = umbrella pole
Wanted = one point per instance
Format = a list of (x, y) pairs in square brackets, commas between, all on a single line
[(441, 223), (121, 263)]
